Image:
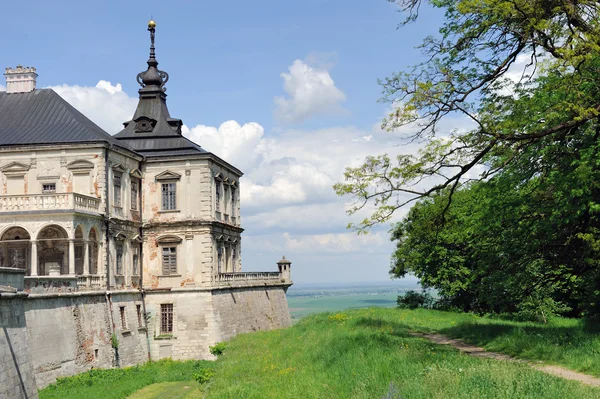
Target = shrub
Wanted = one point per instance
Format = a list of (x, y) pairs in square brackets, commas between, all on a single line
[(204, 375), (413, 299), (218, 348), (114, 341)]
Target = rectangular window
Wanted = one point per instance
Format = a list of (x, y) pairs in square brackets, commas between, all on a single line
[(233, 191), (140, 316), (220, 259), (117, 189), (123, 318), (134, 195), (218, 195), (48, 188), (166, 318), (119, 259), (135, 262), (169, 259), (168, 196)]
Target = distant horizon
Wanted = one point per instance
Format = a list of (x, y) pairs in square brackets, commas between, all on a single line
[(410, 280)]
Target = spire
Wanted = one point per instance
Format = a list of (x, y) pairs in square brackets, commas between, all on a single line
[(152, 78)]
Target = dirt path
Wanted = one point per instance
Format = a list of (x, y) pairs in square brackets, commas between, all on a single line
[(477, 351)]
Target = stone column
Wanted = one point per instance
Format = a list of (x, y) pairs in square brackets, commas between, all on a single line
[(86, 257), (71, 257), (34, 259)]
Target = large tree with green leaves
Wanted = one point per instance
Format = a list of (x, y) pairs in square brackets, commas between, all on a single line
[(464, 75), (525, 232)]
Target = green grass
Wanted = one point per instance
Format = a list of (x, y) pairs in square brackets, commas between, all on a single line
[(303, 306), (572, 343), (170, 390), (368, 353), (120, 383)]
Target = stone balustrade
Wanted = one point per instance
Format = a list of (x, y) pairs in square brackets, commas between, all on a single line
[(249, 278), (90, 282), (33, 202)]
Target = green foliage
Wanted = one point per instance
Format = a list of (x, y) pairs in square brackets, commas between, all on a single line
[(204, 375), (413, 299), (114, 341), (218, 348), (521, 235), (370, 354), (121, 382)]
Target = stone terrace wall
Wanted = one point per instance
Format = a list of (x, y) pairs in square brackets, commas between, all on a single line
[(241, 310), (16, 371), (71, 333), (193, 324)]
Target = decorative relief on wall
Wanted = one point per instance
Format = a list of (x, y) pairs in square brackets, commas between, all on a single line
[(48, 170)]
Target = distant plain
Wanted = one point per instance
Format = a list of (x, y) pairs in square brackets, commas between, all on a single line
[(308, 299)]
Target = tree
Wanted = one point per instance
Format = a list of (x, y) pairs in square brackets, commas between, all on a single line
[(523, 235), (464, 75)]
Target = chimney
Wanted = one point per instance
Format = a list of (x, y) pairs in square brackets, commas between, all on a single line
[(20, 80)]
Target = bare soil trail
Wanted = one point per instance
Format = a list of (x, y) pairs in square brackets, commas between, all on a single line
[(477, 351)]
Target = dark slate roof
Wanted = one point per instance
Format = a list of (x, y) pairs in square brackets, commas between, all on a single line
[(164, 146), (152, 131), (44, 117)]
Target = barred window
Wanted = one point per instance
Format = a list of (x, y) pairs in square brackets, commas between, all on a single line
[(48, 188), (169, 260), (123, 318), (166, 318), (168, 196), (117, 190), (140, 317), (119, 270), (134, 195)]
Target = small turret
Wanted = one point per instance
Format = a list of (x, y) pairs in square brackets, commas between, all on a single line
[(285, 267)]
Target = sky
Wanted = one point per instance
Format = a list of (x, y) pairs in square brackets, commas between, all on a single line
[(286, 91)]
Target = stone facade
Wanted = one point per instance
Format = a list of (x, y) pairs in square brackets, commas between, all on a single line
[(122, 249)]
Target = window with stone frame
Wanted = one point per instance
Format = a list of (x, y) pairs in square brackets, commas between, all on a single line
[(48, 188), (134, 194), (169, 260), (117, 189), (119, 264), (140, 316), (166, 318), (219, 257), (234, 257), (233, 199), (135, 261), (218, 193), (123, 316), (169, 196)]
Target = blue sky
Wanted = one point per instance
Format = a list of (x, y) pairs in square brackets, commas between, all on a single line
[(226, 61)]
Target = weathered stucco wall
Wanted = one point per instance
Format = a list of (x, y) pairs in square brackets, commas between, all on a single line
[(58, 335), (16, 370), (241, 310), (193, 325), (70, 334)]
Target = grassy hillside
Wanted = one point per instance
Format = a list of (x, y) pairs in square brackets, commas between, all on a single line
[(367, 353)]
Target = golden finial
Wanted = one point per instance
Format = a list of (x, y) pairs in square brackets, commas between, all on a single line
[(151, 24)]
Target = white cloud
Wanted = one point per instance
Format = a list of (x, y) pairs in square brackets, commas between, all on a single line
[(240, 145), (519, 72), (107, 105), (310, 91), (2, 88), (288, 204)]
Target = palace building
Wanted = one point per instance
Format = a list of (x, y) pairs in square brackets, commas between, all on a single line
[(134, 237)]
